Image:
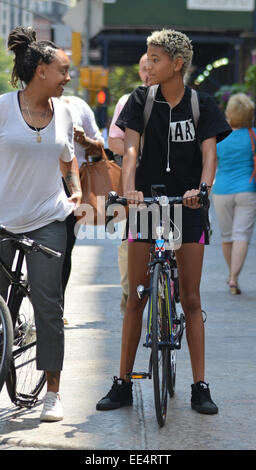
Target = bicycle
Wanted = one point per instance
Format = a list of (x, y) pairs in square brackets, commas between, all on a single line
[(165, 325), (17, 327)]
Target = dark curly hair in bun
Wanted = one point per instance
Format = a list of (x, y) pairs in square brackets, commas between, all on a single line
[(28, 53)]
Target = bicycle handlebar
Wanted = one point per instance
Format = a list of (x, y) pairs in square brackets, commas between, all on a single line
[(27, 244), (113, 198)]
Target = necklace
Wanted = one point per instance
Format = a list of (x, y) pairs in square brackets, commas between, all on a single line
[(38, 138)]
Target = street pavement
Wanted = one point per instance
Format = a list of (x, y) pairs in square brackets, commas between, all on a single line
[(92, 359)]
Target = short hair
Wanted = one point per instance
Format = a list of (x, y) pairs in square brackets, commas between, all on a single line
[(240, 111), (28, 53), (175, 43)]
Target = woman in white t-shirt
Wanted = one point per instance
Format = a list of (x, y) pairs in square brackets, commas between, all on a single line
[(36, 149)]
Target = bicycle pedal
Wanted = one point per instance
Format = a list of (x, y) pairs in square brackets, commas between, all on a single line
[(143, 291), (139, 375)]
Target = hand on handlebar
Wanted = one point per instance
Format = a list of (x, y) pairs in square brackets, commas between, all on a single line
[(191, 199), (133, 196)]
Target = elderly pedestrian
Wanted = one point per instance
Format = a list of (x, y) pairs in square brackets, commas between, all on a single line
[(234, 190)]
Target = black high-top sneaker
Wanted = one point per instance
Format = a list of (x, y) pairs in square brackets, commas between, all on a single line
[(201, 399), (119, 395)]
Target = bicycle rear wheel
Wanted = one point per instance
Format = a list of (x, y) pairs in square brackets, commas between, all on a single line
[(24, 382), (6, 341), (159, 342)]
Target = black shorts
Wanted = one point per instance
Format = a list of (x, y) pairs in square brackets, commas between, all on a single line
[(186, 225)]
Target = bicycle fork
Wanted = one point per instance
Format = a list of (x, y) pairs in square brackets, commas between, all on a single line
[(142, 292), (174, 322)]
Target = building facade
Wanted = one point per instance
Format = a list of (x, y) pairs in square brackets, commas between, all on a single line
[(13, 13), (37, 13), (219, 29)]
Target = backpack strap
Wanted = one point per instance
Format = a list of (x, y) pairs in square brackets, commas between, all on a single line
[(147, 111), (195, 110), (195, 106), (253, 139), (149, 103)]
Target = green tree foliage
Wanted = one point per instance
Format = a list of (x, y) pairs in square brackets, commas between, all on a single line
[(223, 94), (248, 86), (5, 69), (122, 80), (250, 80)]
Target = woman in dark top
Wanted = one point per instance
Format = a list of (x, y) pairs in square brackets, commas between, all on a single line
[(181, 155)]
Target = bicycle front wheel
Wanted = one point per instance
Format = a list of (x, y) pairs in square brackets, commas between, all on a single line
[(171, 375), (6, 341), (172, 353), (24, 382), (159, 341)]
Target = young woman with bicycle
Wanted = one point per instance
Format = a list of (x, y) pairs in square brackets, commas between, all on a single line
[(36, 149), (171, 156)]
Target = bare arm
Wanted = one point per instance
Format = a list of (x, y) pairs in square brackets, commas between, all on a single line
[(209, 162), (131, 150), (91, 146), (116, 145), (70, 171)]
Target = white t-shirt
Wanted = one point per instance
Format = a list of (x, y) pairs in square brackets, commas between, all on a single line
[(31, 189), (83, 116)]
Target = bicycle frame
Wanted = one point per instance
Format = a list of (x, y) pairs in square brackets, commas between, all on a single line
[(17, 285), (19, 290), (170, 268)]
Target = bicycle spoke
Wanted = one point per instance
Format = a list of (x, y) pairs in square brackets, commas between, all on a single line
[(26, 379)]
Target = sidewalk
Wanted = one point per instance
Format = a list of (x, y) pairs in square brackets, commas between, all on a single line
[(92, 358)]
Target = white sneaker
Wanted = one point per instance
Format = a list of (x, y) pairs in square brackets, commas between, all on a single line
[(52, 410)]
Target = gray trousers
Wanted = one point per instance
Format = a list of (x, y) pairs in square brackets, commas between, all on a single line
[(236, 215), (45, 280)]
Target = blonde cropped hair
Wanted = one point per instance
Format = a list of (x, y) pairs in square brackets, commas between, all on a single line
[(176, 44), (240, 111)]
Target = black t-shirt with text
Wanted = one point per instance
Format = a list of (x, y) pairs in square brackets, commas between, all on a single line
[(171, 135)]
